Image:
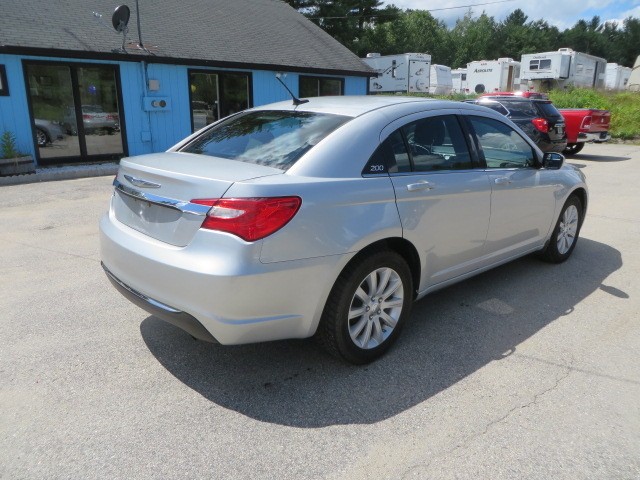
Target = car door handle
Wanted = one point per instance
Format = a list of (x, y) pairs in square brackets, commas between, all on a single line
[(502, 181), (423, 185)]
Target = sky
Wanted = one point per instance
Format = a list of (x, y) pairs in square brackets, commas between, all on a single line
[(561, 13)]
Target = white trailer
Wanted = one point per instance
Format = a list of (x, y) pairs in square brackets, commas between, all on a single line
[(634, 80), (440, 81), (487, 76), (616, 77), (407, 72), (459, 80), (543, 71)]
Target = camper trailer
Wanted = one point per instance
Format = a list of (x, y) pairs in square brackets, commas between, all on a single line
[(408, 72), (547, 70), (459, 80), (634, 79), (616, 77), (486, 76), (440, 81)]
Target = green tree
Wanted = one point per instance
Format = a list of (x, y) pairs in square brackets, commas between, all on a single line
[(413, 31), (474, 39)]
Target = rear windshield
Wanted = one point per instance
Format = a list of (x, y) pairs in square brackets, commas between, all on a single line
[(520, 108), (549, 109), (272, 138)]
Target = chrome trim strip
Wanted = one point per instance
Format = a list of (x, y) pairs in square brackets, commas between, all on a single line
[(181, 205), (141, 296)]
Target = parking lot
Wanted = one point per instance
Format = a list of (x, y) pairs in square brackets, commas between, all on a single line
[(530, 370)]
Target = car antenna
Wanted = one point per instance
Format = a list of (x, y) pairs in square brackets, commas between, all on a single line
[(296, 100)]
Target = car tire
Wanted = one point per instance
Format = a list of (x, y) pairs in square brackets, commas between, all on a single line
[(367, 308), (565, 234), (42, 138), (573, 148)]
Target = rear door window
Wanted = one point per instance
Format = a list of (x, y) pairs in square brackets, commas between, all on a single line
[(437, 143), (427, 145), (271, 138)]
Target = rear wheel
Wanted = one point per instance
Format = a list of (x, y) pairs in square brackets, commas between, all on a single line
[(565, 234), (573, 148), (367, 308), (41, 137)]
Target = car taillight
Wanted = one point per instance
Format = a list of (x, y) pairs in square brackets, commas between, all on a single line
[(586, 123), (249, 218), (86, 117), (541, 124)]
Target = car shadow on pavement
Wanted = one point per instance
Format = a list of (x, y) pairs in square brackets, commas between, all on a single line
[(598, 158), (450, 335)]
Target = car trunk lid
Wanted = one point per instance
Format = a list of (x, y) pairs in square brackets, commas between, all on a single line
[(153, 192)]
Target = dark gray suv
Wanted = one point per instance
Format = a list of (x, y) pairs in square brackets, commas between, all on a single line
[(538, 118)]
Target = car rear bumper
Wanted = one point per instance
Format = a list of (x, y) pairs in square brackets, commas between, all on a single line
[(217, 282), (548, 145), (158, 309), (594, 137)]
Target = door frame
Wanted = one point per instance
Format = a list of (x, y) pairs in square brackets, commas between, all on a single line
[(84, 156)]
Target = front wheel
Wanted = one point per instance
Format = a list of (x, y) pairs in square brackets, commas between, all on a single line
[(367, 308), (573, 148), (41, 137), (565, 234)]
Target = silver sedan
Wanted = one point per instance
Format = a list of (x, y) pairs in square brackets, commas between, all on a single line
[(332, 217)]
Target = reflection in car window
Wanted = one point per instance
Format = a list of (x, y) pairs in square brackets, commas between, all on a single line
[(391, 156), (493, 105), (549, 109), (437, 143), (501, 145), (271, 138), (521, 108)]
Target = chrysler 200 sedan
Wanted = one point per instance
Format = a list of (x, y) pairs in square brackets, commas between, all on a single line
[(330, 218)]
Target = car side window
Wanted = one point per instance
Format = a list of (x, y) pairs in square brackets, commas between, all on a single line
[(497, 106), (501, 145), (437, 143), (390, 157)]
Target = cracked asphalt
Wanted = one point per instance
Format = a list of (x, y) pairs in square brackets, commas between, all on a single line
[(529, 371)]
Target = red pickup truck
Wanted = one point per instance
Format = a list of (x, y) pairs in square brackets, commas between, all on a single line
[(581, 124), (585, 125)]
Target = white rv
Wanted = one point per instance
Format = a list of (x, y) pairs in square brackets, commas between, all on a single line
[(459, 80), (543, 71), (408, 72), (440, 82), (486, 76), (616, 77), (634, 79)]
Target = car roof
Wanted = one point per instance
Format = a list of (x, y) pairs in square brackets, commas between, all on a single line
[(354, 105), (506, 98)]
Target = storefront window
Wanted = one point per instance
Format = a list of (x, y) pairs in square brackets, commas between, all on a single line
[(216, 95), (76, 113), (320, 86), (4, 87)]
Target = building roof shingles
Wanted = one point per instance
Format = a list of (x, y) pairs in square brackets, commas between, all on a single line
[(254, 32)]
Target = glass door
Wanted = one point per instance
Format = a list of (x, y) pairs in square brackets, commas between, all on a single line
[(215, 95), (100, 112), (76, 112), (51, 92)]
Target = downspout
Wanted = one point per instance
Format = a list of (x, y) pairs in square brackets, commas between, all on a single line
[(146, 127)]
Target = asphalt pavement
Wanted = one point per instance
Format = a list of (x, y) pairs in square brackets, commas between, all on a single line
[(529, 371)]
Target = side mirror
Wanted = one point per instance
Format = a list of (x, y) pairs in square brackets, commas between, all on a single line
[(552, 160)]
